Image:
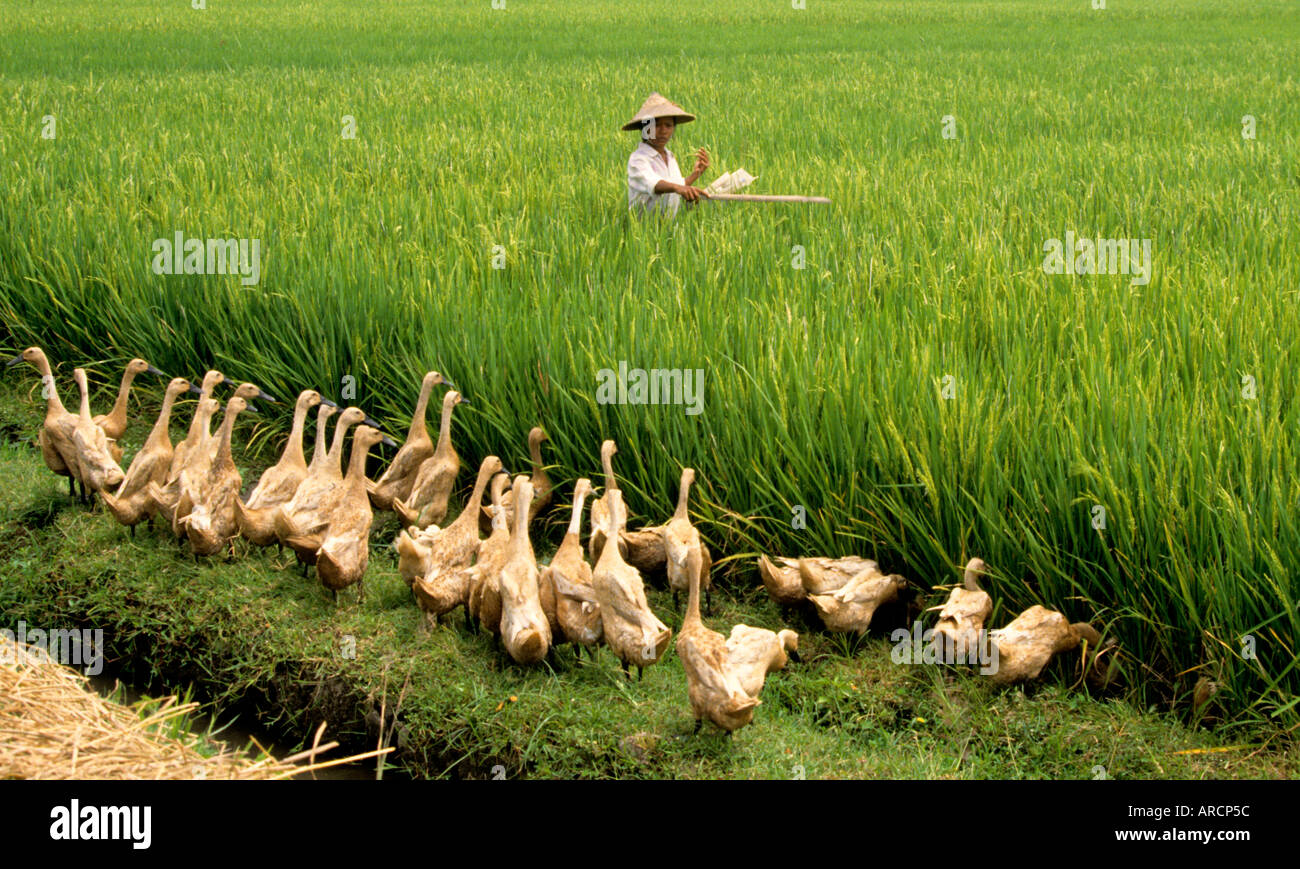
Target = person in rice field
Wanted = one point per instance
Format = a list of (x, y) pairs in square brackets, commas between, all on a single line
[(654, 182)]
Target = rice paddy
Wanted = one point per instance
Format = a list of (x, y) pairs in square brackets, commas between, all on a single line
[(895, 375)]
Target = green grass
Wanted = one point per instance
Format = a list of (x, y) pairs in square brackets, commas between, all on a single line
[(254, 639), (823, 385)]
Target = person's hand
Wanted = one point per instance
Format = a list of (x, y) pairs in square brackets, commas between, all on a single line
[(701, 162), (691, 194)]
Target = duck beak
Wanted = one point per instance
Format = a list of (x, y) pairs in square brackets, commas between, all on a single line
[(153, 370), (251, 408), (12, 362), (328, 403), (370, 422), (387, 441), (794, 656), (194, 389), (264, 397), (450, 385), (464, 400)]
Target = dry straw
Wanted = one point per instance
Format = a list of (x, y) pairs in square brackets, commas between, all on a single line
[(54, 726)]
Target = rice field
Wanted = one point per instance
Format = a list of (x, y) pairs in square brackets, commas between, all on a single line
[(897, 368)]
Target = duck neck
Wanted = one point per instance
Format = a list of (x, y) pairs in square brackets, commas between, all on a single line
[(683, 497), (223, 445), (609, 555), (444, 427), (575, 524), (475, 503), (160, 427), (693, 600), (203, 422), (293, 449), (535, 451), (519, 542), (357, 463), (53, 405), (607, 460), (417, 419), (123, 392), (85, 398), (335, 455), (319, 451)]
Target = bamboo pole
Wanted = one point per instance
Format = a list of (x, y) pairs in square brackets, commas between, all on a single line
[(753, 197)]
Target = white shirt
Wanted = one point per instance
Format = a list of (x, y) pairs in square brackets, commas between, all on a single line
[(645, 169)]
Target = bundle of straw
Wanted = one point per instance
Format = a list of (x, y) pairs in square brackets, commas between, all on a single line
[(54, 726)]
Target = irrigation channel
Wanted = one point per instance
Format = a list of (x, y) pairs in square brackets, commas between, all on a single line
[(236, 733)]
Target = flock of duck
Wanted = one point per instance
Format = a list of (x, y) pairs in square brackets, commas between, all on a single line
[(586, 598)]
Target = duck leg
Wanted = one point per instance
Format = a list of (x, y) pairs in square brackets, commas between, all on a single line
[(640, 671), (132, 532), (469, 622), (335, 593), (623, 664), (72, 488), (698, 723), (361, 592)]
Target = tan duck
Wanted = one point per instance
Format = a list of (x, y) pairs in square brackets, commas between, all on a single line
[(167, 495), (578, 616), (600, 507), (210, 525), (682, 547), (399, 477), (115, 421), (525, 629), (248, 392), (1027, 644), (197, 435), (256, 515), (782, 580), (541, 484), (631, 629), (345, 551), (961, 619), (825, 575), (301, 521), (851, 607), (98, 469), (131, 503), (431, 489), (484, 603), (55, 439), (444, 585), (175, 499), (752, 653), (714, 689)]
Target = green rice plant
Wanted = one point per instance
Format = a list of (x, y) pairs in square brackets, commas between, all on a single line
[(921, 388)]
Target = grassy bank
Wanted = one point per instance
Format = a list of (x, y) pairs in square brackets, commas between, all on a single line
[(253, 637), (921, 387)]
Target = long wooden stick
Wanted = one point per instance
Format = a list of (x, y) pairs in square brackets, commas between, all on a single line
[(753, 197)]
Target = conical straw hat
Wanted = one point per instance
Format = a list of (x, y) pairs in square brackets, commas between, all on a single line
[(656, 106)]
